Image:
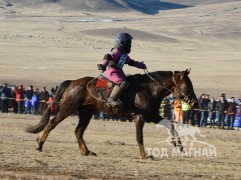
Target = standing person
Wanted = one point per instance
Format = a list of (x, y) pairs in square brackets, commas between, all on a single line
[(164, 109), (14, 102), (231, 113), (19, 98), (221, 107), (53, 107), (239, 109), (0, 97), (226, 115), (43, 98), (203, 104), (34, 104), (27, 106), (186, 112), (171, 100), (239, 106), (54, 90), (192, 116), (37, 93), (114, 63), (29, 92), (5, 95), (197, 112), (211, 113), (178, 116)]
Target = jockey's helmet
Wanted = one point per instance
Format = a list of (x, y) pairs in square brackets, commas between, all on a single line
[(124, 40)]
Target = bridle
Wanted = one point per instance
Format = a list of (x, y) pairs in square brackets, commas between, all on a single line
[(179, 93)]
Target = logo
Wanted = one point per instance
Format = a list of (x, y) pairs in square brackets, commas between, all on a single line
[(122, 61), (191, 137)]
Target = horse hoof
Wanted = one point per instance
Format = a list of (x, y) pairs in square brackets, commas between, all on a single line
[(181, 148), (89, 153), (39, 149), (148, 157), (151, 158), (92, 154)]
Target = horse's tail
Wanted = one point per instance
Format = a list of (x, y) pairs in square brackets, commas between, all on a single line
[(46, 116), (62, 87)]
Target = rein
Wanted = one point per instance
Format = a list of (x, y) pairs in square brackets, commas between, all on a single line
[(158, 81), (173, 79)]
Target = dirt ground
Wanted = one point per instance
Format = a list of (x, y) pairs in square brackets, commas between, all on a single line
[(117, 153)]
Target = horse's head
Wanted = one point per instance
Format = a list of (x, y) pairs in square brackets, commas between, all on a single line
[(183, 88)]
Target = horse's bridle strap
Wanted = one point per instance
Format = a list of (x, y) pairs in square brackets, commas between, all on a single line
[(173, 79)]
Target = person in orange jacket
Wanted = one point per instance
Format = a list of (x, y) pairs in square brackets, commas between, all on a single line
[(178, 115)]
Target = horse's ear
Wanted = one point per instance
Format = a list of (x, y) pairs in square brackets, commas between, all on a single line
[(185, 73)]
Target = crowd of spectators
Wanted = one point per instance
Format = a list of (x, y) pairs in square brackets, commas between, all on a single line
[(24, 100), (210, 113), (215, 113)]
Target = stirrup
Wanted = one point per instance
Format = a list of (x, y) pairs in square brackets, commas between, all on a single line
[(114, 103)]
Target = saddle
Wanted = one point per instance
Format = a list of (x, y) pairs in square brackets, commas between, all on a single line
[(103, 87)]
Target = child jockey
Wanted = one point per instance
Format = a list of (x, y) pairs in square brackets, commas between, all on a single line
[(113, 65)]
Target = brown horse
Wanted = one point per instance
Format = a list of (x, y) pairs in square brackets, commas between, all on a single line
[(141, 102)]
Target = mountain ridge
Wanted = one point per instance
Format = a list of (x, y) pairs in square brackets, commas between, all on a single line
[(144, 6)]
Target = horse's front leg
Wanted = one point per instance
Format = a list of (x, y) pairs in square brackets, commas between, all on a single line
[(139, 122), (85, 115), (175, 139)]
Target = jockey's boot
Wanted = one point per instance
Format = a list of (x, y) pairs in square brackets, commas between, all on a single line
[(113, 100)]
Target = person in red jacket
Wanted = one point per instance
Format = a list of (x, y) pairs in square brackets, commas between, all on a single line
[(19, 98), (54, 107)]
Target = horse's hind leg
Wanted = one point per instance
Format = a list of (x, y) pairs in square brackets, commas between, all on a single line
[(65, 111), (85, 114)]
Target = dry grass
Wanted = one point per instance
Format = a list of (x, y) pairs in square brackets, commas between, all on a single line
[(118, 154)]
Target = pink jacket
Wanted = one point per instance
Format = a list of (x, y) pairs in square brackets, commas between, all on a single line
[(114, 67)]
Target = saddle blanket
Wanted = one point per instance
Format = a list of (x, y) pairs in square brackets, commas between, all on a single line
[(103, 87)]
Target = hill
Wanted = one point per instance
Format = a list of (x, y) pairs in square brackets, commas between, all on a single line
[(145, 6)]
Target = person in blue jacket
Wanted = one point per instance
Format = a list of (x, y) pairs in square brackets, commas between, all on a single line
[(27, 106), (34, 103)]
